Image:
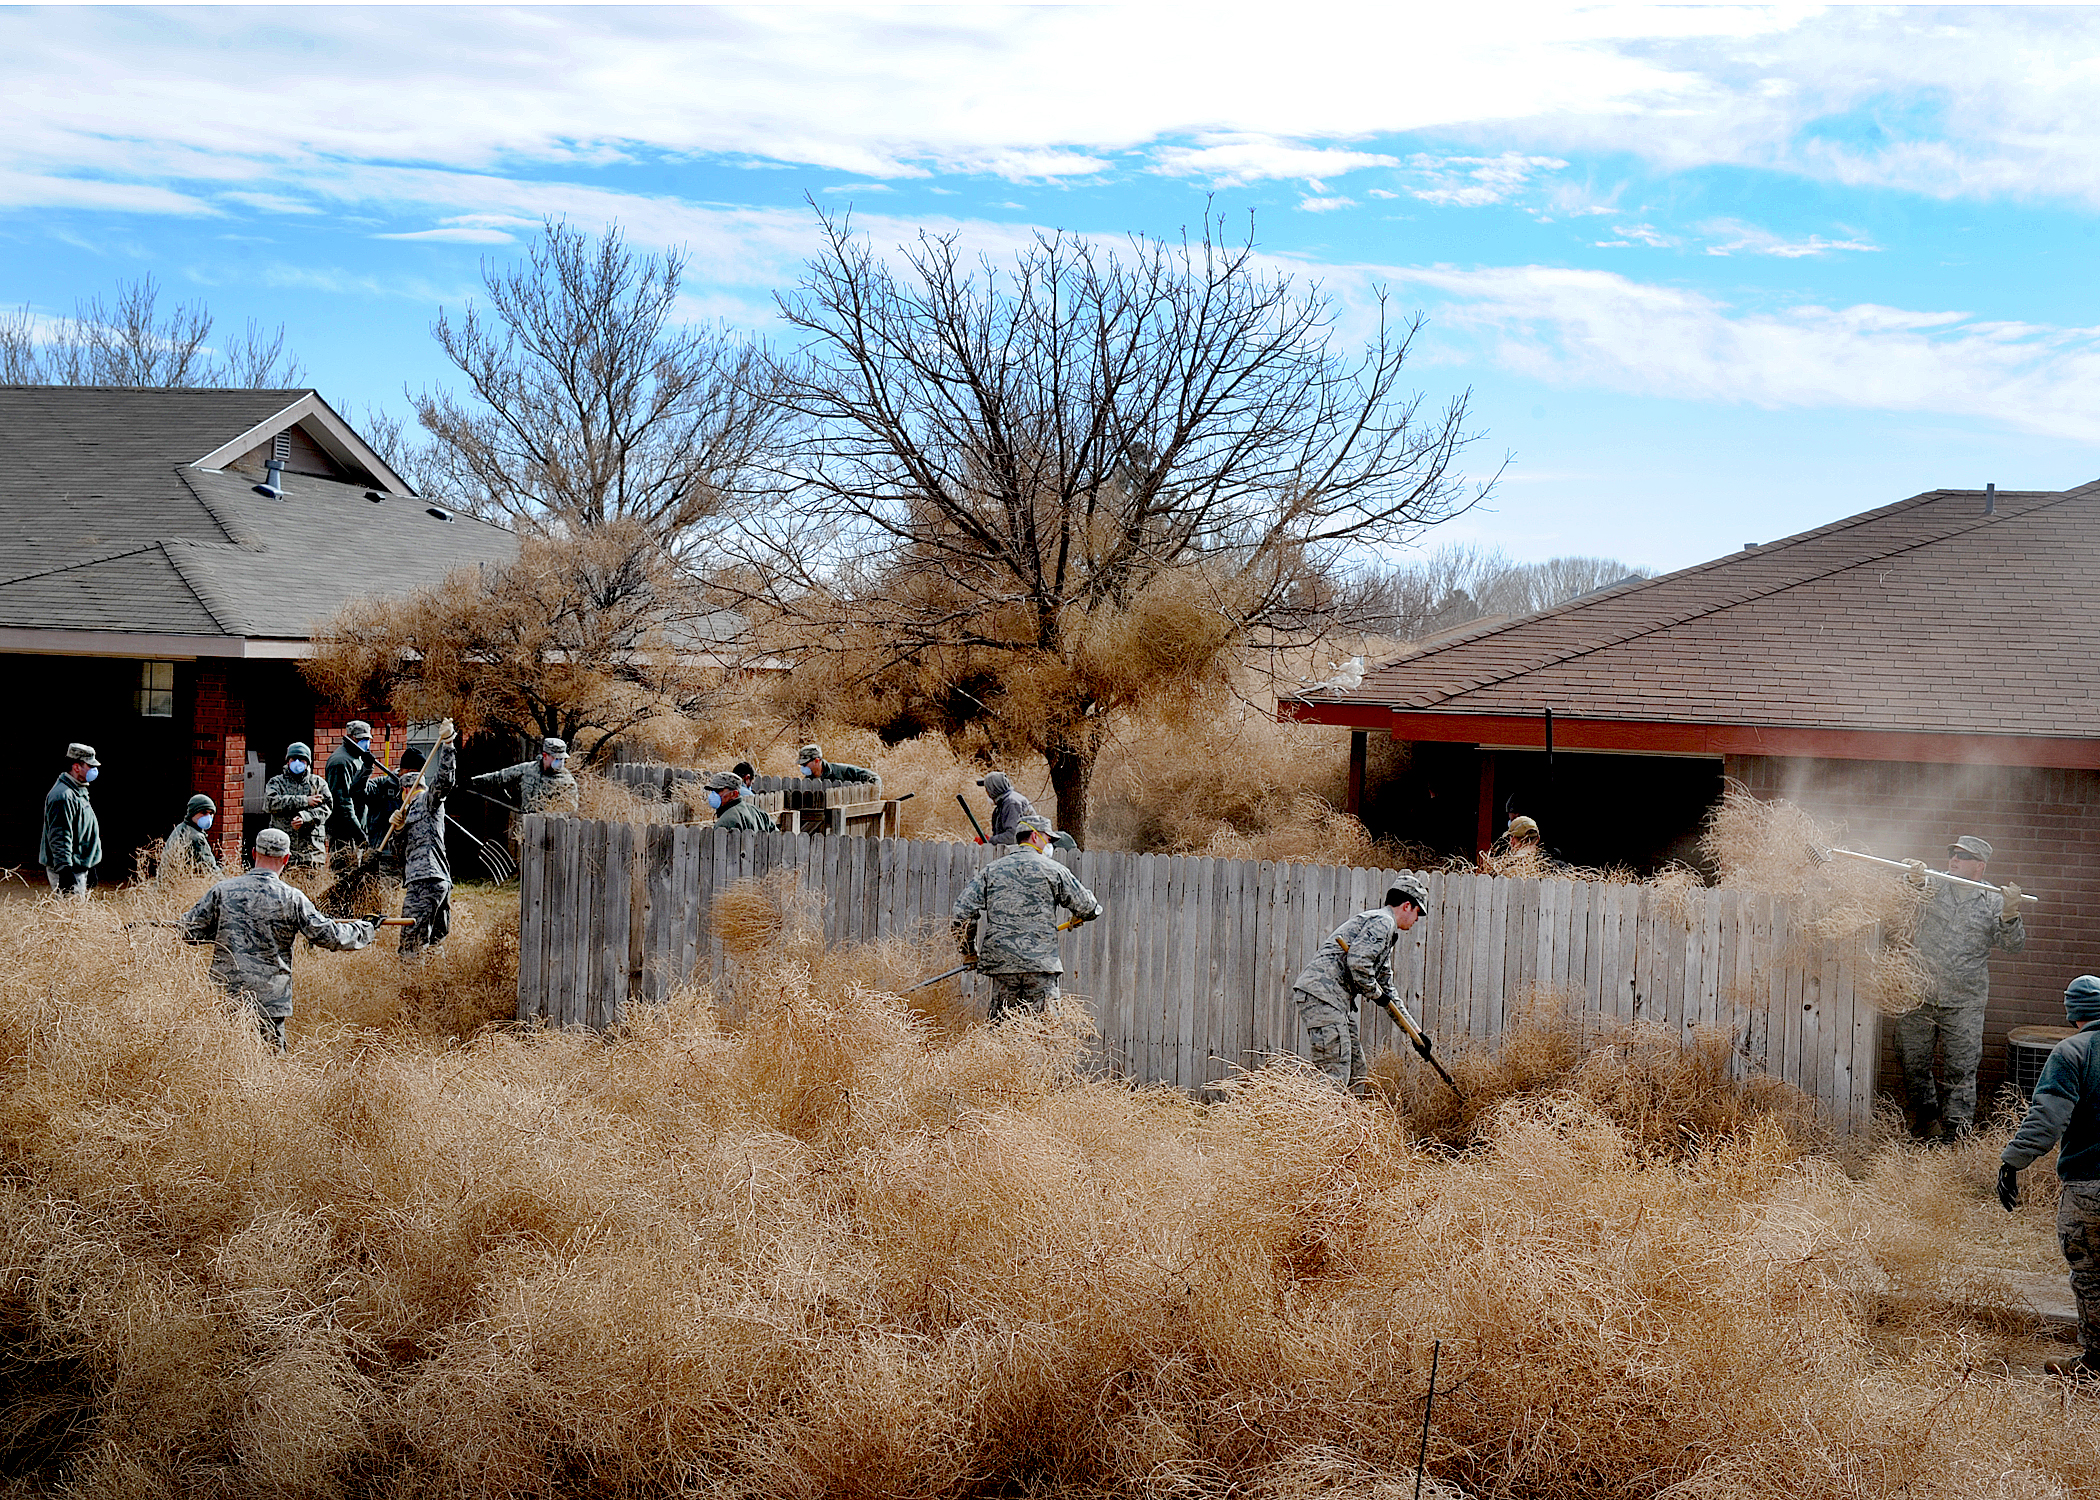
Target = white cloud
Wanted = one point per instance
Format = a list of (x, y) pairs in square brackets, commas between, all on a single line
[(861, 187), (1732, 237), (1596, 329), (1478, 181), (35, 190), (1236, 161), (1324, 205), (456, 235), (1639, 234)]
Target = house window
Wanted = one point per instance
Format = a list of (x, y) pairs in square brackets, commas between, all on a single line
[(156, 695)]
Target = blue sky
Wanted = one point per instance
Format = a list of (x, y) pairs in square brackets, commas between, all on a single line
[(1712, 274)]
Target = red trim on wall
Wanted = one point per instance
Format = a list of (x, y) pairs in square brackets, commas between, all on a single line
[(1647, 737)]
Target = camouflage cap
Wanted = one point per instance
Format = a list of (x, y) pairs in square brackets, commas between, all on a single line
[(200, 803), (1970, 847), (809, 753), (299, 750), (80, 752), (1521, 827), (357, 729), (1035, 823), (724, 781), (1408, 888), (552, 746), (273, 843)]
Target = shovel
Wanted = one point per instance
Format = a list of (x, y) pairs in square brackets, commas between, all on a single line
[(965, 968)]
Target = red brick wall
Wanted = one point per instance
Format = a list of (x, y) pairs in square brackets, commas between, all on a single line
[(219, 756), (388, 739), (2044, 830)]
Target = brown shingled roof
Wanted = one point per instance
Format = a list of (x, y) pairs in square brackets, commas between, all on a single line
[(1927, 616)]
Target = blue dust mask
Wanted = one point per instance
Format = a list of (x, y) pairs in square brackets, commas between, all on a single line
[(805, 770), (204, 822), (93, 772), (556, 762), (714, 800), (364, 745), (296, 767)]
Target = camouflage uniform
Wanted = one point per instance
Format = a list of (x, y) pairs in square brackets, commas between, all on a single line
[(1019, 896), (2066, 1106), (1957, 930), (251, 921), (286, 799), (187, 849), (426, 865), (744, 814), (1353, 965), (71, 843), (538, 788)]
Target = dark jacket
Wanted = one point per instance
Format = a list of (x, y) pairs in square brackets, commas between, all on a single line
[(350, 811), (746, 815), (72, 837), (1007, 814), (2066, 1106)]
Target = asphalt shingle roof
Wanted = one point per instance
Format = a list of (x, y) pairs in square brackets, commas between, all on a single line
[(106, 523), (1926, 615)]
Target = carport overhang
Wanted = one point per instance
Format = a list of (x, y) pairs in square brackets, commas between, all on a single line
[(1662, 737)]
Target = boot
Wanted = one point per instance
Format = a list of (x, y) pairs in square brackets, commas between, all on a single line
[(2075, 1367), (1927, 1116)]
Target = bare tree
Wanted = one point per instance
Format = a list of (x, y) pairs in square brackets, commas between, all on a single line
[(582, 637), (589, 403), (1456, 585), (1072, 486), (131, 342)]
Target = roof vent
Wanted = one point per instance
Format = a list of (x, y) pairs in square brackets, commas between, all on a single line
[(1990, 499), (273, 467), (375, 496), (432, 510)]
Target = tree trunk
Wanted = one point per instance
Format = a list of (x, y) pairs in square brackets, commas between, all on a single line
[(1071, 759)]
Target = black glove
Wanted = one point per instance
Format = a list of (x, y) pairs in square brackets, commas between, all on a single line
[(2009, 1188), (375, 919), (1425, 1045), (1092, 915)]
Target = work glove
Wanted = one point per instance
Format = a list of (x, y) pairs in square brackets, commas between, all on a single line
[(445, 730), (1093, 915), (373, 920), (2009, 1188), (2011, 909), (1917, 872)]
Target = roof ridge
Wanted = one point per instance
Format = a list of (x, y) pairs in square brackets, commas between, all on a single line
[(219, 616), (235, 529), (2058, 497), (91, 560)]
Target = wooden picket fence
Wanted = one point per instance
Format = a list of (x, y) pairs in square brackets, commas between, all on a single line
[(1188, 974)]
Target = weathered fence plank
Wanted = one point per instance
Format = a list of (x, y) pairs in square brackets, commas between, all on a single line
[(1188, 974)]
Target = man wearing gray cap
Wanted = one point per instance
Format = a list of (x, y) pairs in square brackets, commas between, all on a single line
[(733, 810), (1957, 929), (542, 783), (1019, 895), (1355, 964), (810, 759), (186, 850), (71, 844), (251, 921)]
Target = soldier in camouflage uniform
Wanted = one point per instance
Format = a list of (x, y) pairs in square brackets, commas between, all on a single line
[(1957, 929), (251, 921), (2067, 1107), (733, 809), (1019, 896), (1354, 964), (426, 867), (813, 765), (541, 783), (186, 848), (71, 843), (299, 806)]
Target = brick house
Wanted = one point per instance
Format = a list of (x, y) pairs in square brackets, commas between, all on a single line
[(154, 603), (1916, 672)]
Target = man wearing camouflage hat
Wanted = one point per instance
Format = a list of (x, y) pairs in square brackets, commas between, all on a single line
[(542, 784), (186, 850), (426, 866), (299, 806), (71, 843), (810, 758), (1957, 929), (251, 920), (734, 810), (1019, 896), (1355, 964)]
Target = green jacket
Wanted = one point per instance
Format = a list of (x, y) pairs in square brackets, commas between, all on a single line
[(839, 771), (72, 838), (187, 849), (746, 815), (286, 798)]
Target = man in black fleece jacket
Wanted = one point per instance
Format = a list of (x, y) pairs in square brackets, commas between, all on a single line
[(2066, 1106)]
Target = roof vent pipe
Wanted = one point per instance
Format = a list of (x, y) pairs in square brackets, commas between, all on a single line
[(273, 485), (1990, 499)]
